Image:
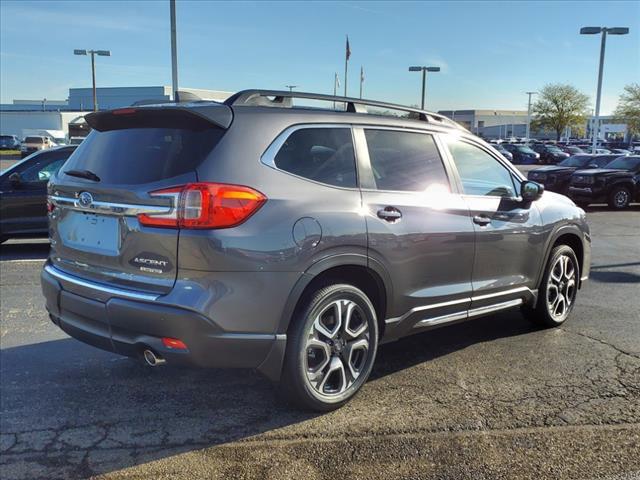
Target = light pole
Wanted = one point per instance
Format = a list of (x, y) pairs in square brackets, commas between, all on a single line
[(424, 71), (603, 42), (101, 53), (174, 50), (529, 115), (291, 87)]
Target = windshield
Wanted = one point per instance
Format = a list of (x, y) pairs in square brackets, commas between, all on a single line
[(525, 150), (34, 140), (625, 163), (6, 137), (575, 161)]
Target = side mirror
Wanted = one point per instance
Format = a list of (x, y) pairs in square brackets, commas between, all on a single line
[(530, 191), (15, 179)]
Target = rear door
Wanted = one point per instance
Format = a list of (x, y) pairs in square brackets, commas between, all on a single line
[(418, 226), (108, 183)]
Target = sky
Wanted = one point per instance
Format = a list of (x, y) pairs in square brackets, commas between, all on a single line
[(490, 53)]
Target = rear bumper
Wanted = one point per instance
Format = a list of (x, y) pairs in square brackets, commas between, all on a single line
[(127, 323)]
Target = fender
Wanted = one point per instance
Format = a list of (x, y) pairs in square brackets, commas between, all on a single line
[(324, 264), (555, 234)]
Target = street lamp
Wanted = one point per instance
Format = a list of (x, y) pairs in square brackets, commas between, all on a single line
[(101, 53), (603, 31), (424, 71), (529, 115), (291, 87)]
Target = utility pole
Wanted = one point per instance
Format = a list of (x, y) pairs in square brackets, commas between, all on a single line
[(529, 115), (174, 51)]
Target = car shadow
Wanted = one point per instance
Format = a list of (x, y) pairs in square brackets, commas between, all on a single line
[(69, 399), (36, 249)]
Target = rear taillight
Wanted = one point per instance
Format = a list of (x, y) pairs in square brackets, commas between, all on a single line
[(50, 206), (205, 205)]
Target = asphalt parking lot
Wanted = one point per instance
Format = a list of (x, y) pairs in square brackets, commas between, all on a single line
[(492, 398)]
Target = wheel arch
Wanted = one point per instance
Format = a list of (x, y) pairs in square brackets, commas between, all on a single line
[(569, 235), (356, 269)]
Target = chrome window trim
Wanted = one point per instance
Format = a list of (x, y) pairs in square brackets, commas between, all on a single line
[(54, 272), (268, 158), (109, 208)]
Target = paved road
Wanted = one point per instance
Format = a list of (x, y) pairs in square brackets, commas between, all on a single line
[(493, 398)]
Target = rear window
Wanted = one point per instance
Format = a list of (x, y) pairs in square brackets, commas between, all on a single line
[(143, 155), (404, 161), (34, 140), (321, 154)]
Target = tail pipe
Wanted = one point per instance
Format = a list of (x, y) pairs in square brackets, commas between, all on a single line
[(152, 359)]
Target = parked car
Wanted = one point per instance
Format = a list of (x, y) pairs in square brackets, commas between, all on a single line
[(75, 140), (621, 151), (571, 150), (503, 151), (549, 153), (598, 151), (617, 184), (9, 142), (293, 257), (522, 154), (23, 193), (557, 177), (35, 143)]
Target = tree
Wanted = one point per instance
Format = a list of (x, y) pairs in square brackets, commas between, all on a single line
[(558, 107), (628, 109)]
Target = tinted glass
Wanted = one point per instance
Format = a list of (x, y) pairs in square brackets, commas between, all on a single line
[(34, 140), (143, 155), (321, 154), (525, 150), (480, 173), (625, 163), (575, 161), (404, 161), (46, 165)]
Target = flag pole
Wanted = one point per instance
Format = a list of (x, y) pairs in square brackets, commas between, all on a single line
[(346, 63), (361, 79), (335, 87)]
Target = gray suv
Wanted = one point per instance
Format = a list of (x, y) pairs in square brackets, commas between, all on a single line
[(259, 233)]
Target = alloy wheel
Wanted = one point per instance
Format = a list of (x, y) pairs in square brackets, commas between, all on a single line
[(337, 348), (621, 198), (561, 287)]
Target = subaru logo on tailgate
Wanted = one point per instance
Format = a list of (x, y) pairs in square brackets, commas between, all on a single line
[(85, 199)]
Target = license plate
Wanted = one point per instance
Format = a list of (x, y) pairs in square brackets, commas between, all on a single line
[(90, 232)]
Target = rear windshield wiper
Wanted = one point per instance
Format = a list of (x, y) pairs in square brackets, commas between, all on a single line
[(89, 175)]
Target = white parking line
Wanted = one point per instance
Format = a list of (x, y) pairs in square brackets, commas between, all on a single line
[(24, 260)]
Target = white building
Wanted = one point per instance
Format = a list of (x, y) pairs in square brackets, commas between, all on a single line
[(29, 115)]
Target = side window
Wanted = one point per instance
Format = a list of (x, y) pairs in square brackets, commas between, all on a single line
[(404, 161), (321, 154), (480, 173), (42, 170)]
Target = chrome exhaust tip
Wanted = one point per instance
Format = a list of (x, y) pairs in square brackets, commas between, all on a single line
[(152, 359)]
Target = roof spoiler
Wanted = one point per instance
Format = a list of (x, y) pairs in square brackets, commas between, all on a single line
[(201, 112)]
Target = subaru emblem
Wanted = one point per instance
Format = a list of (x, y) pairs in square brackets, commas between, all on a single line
[(85, 199)]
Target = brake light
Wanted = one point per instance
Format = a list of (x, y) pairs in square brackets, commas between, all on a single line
[(50, 206), (205, 205), (124, 111), (174, 343)]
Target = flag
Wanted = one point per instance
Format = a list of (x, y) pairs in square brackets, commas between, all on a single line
[(362, 74), (337, 81), (348, 48)]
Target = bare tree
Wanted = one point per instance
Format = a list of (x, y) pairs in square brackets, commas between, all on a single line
[(558, 107), (628, 109)]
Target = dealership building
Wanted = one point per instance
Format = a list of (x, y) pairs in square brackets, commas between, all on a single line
[(65, 117)]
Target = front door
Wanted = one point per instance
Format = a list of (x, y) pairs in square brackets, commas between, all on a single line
[(509, 236)]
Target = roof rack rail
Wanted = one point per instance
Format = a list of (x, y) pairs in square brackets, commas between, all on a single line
[(282, 98)]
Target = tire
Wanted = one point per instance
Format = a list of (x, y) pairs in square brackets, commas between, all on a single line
[(325, 363), (619, 198), (562, 274)]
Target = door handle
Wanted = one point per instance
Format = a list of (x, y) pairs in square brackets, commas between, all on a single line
[(481, 220), (390, 214)]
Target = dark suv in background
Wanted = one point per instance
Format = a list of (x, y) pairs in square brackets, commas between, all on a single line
[(522, 154), (550, 154), (259, 233), (557, 177), (617, 184)]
